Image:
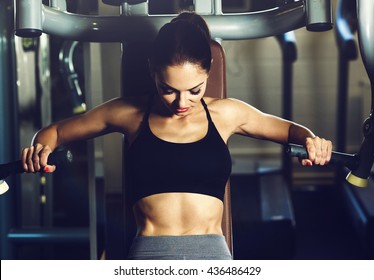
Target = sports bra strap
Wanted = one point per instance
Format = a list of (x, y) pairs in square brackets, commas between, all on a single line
[(206, 110)]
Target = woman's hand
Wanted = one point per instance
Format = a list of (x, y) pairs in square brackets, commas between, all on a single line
[(35, 158), (319, 151)]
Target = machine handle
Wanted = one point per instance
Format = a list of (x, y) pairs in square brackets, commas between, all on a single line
[(349, 160), (58, 158)]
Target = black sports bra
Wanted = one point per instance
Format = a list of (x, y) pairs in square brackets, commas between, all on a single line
[(156, 166)]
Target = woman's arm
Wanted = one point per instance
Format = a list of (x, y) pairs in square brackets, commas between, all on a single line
[(114, 115), (319, 149), (249, 121)]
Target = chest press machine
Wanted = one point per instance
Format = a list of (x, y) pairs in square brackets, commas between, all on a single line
[(33, 18)]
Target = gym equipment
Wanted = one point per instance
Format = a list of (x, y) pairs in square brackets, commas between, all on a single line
[(357, 190), (9, 138), (32, 18), (358, 202), (349, 160), (359, 174), (287, 42), (346, 26), (3, 187), (365, 9), (70, 75), (58, 158)]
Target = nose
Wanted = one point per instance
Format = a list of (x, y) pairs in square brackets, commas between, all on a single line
[(182, 100)]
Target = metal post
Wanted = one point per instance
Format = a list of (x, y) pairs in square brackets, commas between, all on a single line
[(28, 18), (287, 42), (319, 15), (345, 38), (365, 11), (8, 122)]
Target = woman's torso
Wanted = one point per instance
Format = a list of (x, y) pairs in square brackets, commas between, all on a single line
[(175, 209)]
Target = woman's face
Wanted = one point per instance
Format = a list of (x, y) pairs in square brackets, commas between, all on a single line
[(181, 87)]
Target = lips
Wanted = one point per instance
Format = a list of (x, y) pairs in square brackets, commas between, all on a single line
[(182, 110)]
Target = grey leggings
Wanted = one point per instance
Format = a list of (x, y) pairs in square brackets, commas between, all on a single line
[(190, 247)]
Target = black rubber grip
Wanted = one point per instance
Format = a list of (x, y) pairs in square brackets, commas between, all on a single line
[(348, 160), (297, 151), (58, 158)]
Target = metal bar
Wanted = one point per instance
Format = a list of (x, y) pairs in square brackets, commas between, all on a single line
[(9, 122), (342, 98), (345, 39), (88, 28), (318, 15), (287, 43), (365, 10), (28, 18), (51, 235)]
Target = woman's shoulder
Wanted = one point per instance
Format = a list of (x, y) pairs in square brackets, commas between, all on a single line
[(225, 115), (130, 103), (125, 111), (230, 111), (223, 105)]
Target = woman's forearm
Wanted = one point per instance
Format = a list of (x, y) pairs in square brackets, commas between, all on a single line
[(319, 149), (47, 136), (297, 134)]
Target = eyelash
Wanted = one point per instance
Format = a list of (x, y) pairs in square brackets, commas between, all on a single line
[(171, 91), (167, 90), (196, 92)]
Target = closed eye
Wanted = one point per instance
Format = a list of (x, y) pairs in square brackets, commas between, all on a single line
[(167, 90), (195, 92), (170, 90)]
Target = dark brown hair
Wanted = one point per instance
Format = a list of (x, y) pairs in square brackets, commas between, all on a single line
[(185, 39)]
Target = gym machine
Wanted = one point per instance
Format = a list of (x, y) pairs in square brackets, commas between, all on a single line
[(358, 201)]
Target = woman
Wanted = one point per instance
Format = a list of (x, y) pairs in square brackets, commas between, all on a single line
[(178, 161)]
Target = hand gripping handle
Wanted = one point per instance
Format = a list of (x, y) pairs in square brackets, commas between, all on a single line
[(58, 158)]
